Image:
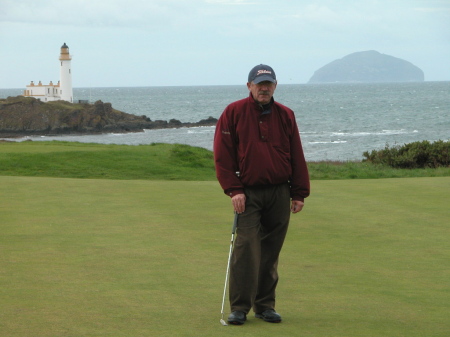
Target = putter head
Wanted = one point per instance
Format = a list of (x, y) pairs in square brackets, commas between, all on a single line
[(223, 322)]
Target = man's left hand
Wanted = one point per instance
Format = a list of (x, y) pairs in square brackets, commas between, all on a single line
[(297, 206)]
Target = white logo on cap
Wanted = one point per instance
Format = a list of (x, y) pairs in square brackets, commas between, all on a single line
[(263, 71)]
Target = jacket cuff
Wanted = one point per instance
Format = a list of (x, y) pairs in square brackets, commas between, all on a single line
[(232, 193)]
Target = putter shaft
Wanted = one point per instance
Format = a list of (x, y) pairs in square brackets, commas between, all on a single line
[(222, 321)]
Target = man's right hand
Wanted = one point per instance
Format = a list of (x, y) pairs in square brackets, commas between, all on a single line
[(238, 202)]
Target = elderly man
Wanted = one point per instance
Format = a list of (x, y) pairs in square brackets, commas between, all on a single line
[(259, 139)]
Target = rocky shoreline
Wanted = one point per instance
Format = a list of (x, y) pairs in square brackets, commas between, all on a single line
[(27, 116)]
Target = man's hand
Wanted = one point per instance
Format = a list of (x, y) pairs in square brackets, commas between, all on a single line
[(238, 202), (297, 206)]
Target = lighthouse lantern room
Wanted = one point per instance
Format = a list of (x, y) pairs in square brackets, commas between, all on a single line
[(54, 92)]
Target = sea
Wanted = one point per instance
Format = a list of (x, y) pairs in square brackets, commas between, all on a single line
[(337, 122)]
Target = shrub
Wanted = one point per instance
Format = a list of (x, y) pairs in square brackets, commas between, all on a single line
[(413, 155)]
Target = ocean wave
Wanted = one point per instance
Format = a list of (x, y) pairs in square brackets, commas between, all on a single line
[(202, 129), (375, 133), (330, 142)]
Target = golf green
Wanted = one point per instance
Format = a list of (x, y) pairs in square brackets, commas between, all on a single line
[(99, 257)]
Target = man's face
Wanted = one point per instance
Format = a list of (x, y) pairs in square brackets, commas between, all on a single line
[(263, 91)]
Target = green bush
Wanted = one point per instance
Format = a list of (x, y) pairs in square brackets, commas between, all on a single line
[(413, 155)]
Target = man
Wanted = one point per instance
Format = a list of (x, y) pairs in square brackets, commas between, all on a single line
[(260, 164)]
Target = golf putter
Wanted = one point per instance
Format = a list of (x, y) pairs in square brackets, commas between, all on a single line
[(222, 321)]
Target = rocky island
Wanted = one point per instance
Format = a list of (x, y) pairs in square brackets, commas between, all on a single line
[(24, 116), (368, 67)]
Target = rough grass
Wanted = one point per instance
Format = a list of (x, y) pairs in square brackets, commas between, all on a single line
[(101, 257), (77, 160), (326, 170), (158, 162)]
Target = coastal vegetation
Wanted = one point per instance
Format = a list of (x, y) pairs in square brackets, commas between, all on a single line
[(161, 162), (423, 154)]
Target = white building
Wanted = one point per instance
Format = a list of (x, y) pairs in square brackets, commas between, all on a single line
[(54, 92)]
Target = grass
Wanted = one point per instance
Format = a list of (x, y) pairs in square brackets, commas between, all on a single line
[(157, 162), (363, 170), (78, 160), (100, 257), (138, 247)]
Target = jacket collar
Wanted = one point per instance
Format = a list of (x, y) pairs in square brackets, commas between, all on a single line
[(265, 109)]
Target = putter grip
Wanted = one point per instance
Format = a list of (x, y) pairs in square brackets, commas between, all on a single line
[(235, 223)]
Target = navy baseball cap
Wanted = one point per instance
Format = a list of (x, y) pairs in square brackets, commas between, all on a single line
[(262, 73)]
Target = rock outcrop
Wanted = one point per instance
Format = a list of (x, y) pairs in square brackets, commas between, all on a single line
[(20, 116), (368, 67)]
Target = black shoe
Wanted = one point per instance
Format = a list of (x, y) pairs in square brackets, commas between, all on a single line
[(269, 315), (237, 318)]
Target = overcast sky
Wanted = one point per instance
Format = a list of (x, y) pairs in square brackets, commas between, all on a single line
[(212, 42)]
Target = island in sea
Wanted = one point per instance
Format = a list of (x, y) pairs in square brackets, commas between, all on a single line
[(368, 67)]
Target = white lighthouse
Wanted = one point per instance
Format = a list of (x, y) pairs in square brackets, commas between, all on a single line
[(65, 77), (53, 92)]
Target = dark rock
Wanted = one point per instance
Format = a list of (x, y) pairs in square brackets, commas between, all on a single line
[(20, 116), (368, 67)]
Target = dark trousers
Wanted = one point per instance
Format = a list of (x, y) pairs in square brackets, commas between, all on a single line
[(260, 235)]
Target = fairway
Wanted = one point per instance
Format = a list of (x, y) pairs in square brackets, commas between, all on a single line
[(101, 257)]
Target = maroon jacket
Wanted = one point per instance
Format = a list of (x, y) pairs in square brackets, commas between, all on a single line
[(264, 147)]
